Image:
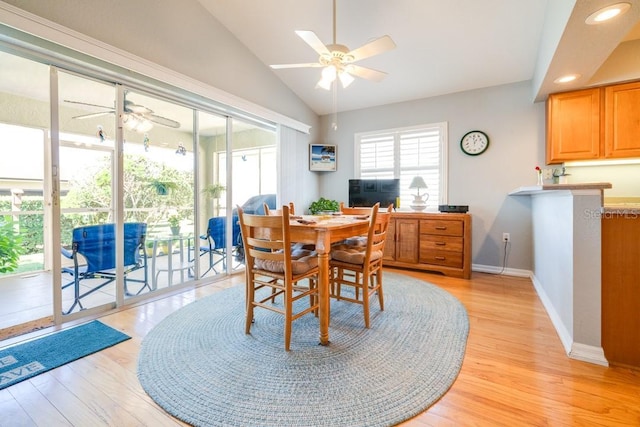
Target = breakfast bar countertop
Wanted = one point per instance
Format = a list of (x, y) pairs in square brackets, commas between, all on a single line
[(539, 189)]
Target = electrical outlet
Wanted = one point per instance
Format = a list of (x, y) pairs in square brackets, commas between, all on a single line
[(547, 173), (506, 237)]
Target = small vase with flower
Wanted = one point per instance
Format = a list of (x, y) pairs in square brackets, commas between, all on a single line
[(539, 173)]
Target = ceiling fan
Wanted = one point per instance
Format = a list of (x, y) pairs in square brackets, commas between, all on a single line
[(136, 117), (338, 61)]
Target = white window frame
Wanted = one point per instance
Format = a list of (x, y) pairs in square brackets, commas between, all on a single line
[(406, 173)]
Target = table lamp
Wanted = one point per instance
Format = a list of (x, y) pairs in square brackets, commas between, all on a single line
[(419, 203)]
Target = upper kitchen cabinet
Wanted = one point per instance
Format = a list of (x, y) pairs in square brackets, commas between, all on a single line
[(573, 126), (597, 123), (622, 120)]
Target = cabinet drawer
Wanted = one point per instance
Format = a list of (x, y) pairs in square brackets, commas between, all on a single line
[(441, 227), (445, 258), (440, 243)]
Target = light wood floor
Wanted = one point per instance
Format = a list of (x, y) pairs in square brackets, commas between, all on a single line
[(515, 371)]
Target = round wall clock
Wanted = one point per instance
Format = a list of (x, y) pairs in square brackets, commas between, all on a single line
[(474, 143)]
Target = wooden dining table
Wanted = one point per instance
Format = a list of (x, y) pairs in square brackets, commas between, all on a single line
[(322, 233)]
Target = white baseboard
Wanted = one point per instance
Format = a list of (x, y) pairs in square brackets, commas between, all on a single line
[(588, 353), (491, 269), (577, 351)]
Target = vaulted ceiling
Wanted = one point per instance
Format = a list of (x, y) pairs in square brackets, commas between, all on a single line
[(443, 47)]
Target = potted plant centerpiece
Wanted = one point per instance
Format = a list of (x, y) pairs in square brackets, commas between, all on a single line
[(324, 206)]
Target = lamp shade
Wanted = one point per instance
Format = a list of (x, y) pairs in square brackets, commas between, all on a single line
[(419, 201), (418, 183)]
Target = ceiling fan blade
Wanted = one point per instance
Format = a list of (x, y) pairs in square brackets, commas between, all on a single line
[(366, 73), (86, 103), (375, 47), (312, 40), (307, 65), (162, 121), (132, 107), (88, 116)]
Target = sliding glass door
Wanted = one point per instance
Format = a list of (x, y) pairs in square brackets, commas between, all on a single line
[(158, 185), (25, 254), (112, 193), (87, 153)]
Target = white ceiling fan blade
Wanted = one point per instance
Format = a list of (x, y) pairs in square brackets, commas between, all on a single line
[(88, 116), (375, 47), (366, 73), (86, 103), (132, 107), (162, 120), (306, 65), (312, 40)]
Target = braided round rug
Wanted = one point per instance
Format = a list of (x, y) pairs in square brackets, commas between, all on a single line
[(199, 365)]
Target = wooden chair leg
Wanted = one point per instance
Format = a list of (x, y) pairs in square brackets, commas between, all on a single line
[(287, 320), (313, 298), (379, 284), (365, 298), (250, 297)]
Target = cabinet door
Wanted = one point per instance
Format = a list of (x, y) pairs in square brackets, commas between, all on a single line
[(573, 126), (622, 121), (390, 242), (621, 289), (407, 240)]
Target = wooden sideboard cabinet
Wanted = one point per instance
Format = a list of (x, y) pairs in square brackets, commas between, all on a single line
[(439, 242)]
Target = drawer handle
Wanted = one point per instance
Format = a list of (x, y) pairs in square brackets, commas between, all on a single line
[(441, 243), (440, 258), (441, 227)]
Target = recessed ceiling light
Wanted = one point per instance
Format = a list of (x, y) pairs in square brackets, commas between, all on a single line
[(607, 13), (566, 79)]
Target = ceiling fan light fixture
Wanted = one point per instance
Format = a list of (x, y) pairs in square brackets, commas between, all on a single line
[(608, 12), (136, 123), (328, 77), (324, 84), (329, 73), (345, 79)]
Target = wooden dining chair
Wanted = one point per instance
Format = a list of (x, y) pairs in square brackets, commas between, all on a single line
[(294, 246), (273, 268), (269, 211), (360, 265), (359, 210)]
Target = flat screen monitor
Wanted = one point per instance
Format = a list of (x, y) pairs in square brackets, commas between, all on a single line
[(368, 192)]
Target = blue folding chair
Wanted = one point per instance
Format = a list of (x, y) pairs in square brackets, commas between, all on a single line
[(96, 245), (216, 237)]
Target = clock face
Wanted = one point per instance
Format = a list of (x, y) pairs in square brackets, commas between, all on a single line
[(474, 143)]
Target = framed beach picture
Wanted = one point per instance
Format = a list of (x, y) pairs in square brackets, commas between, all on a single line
[(322, 157)]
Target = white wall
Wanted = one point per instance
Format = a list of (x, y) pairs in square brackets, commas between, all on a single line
[(567, 270), (515, 126)]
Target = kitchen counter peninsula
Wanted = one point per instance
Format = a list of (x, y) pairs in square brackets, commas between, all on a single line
[(566, 230)]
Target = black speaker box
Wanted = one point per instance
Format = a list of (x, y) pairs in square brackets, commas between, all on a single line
[(453, 208)]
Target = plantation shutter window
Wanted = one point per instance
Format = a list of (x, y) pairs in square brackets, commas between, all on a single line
[(404, 154)]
